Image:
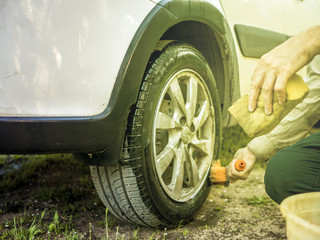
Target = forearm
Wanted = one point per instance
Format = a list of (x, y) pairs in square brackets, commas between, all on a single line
[(264, 147), (313, 46)]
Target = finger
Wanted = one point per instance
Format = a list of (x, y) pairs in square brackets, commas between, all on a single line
[(267, 90), (231, 168), (231, 177), (280, 87), (236, 175), (255, 87), (234, 172)]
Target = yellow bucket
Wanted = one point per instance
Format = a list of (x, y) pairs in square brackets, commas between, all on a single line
[(302, 213)]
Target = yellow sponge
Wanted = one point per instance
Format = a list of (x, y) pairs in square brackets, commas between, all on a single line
[(258, 123)]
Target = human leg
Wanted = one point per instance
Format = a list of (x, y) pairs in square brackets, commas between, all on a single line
[(295, 169)]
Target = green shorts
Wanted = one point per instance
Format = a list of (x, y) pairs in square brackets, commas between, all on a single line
[(295, 169)]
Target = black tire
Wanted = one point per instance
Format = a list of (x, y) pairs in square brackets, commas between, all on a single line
[(146, 187)]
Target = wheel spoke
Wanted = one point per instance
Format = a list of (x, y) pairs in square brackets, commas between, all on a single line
[(178, 171), (166, 155), (202, 146), (203, 115), (166, 122), (176, 96), (192, 95), (193, 169)]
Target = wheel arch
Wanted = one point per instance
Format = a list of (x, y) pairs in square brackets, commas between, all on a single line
[(204, 26), (171, 20), (198, 23)]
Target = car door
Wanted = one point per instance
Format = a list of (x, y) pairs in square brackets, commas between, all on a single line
[(260, 25)]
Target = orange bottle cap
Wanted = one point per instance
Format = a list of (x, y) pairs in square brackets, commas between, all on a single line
[(240, 165)]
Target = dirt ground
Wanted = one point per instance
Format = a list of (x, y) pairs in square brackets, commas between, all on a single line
[(240, 211)]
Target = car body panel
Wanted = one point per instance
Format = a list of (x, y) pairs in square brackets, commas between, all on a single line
[(285, 16), (62, 58)]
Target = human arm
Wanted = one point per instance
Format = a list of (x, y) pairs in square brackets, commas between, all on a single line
[(277, 66), (295, 126)]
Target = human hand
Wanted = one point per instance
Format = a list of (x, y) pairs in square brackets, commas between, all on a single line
[(277, 66), (248, 157)]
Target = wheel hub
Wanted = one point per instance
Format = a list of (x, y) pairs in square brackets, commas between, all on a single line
[(186, 135)]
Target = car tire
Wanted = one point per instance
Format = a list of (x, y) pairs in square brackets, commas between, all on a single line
[(173, 133)]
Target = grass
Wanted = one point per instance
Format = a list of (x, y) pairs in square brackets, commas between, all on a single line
[(135, 233), (15, 174), (28, 227), (58, 182), (19, 231), (25, 227), (55, 226), (69, 201), (58, 194), (259, 201), (19, 175)]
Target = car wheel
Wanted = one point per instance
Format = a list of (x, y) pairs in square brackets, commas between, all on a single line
[(173, 133)]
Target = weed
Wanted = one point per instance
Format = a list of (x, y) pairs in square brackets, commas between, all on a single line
[(164, 234), (135, 233), (180, 224), (218, 209), (72, 235), (151, 237), (18, 230), (34, 228), (107, 225), (55, 225), (259, 201), (90, 230), (117, 235), (185, 232)]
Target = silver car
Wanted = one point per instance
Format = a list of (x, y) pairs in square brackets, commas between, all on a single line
[(139, 90)]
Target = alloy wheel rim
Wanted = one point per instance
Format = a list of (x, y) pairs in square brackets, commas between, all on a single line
[(183, 135)]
